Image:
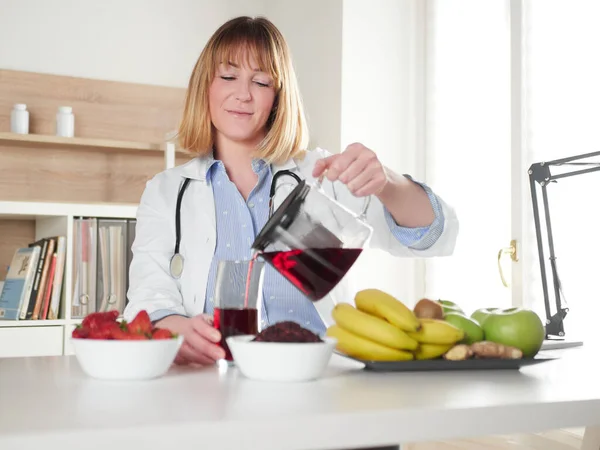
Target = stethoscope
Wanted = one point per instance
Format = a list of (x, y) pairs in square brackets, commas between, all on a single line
[(176, 263)]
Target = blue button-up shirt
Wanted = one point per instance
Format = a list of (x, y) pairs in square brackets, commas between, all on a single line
[(238, 221)]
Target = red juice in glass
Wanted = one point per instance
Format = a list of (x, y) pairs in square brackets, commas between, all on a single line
[(234, 322), (238, 291)]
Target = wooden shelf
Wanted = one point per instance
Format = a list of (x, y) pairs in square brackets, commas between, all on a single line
[(74, 142)]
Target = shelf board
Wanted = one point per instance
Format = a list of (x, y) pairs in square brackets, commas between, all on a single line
[(32, 210), (31, 323), (74, 142), (42, 323)]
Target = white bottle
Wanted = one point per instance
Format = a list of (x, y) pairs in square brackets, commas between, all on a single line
[(65, 122), (19, 119)]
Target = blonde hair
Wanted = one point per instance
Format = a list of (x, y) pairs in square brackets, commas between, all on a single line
[(287, 131)]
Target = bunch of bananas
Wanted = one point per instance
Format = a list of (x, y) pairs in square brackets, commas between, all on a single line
[(382, 328)]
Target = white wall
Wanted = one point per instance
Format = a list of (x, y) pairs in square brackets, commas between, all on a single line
[(378, 110), (313, 29), (140, 41)]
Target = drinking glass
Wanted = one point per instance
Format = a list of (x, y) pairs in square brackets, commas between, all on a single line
[(238, 295)]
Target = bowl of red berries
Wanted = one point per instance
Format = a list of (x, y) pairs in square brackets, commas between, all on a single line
[(111, 349), (284, 351)]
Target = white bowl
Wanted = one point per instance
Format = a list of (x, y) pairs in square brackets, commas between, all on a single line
[(126, 360), (281, 361)]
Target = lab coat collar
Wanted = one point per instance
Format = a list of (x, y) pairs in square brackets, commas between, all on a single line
[(196, 168)]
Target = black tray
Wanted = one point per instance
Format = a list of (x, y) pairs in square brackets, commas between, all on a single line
[(442, 364)]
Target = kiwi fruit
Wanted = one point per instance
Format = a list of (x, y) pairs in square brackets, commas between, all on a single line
[(428, 309)]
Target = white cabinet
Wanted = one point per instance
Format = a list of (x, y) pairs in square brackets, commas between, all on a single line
[(31, 340), (25, 222)]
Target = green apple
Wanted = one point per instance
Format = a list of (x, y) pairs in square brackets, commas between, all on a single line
[(449, 306), (482, 313), (473, 331), (517, 327)]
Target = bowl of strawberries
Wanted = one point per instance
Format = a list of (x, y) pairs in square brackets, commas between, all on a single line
[(111, 349)]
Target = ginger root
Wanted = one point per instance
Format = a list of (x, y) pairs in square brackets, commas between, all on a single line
[(459, 352), (487, 349), (483, 349)]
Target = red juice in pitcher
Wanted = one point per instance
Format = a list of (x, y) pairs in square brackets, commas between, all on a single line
[(314, 271), (233, 322)]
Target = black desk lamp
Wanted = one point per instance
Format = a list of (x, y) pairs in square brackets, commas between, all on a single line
[(540, 173)]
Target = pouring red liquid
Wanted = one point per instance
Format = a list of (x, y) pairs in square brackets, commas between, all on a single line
[(315, 272)]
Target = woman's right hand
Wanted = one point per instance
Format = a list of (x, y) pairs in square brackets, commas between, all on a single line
[(200, 339)]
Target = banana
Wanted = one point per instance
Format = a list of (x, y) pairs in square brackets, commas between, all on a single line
[(432, 351), (436, 331), (361, 348), (372, 327), (384, 306)]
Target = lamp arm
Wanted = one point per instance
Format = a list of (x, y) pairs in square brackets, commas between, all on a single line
[(540, 173)]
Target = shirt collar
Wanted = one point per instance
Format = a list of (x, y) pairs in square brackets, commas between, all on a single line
[(198, 167), (212, 164)]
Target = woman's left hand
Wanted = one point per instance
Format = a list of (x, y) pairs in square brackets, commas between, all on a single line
[(357, 167)]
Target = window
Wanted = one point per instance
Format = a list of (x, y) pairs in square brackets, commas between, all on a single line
[(479, 145)]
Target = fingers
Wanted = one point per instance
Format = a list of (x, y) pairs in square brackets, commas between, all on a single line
[(357, 167), (364, 177), (181, 361), (200, 342), (201, 325), (364, 161), (199, 348), (190, 354), (320, 167), (334, 164), (209, 319)]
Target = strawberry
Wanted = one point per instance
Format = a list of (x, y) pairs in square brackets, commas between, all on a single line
[(124, 335), (162, 333), (120, 334), (104, 331), (80, 333), (95, 320), (140, 324)]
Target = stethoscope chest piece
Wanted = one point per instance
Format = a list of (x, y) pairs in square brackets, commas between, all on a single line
[(176, 265)]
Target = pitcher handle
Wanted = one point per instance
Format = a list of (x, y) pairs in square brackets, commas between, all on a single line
[(275, 186), (363, 214)]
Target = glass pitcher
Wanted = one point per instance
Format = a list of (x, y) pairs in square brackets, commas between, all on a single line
[(311, 239)]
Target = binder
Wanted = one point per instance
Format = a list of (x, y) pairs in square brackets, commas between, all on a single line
[(112, 264), (84, 265)]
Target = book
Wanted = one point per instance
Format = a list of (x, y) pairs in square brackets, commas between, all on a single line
[(19, 282), (57, 286), (43, 280), (29, 303)]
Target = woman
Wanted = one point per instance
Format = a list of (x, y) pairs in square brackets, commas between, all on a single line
[(244, 118)]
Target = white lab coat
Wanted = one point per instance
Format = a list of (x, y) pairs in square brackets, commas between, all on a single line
[(151, 286)]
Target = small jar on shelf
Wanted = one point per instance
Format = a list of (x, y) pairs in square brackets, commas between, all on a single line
[(65, 122), (19, 119)]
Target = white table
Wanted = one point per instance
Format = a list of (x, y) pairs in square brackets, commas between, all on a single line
[(49, 403)]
